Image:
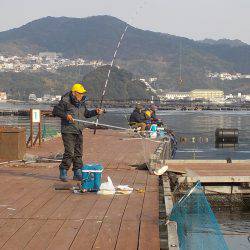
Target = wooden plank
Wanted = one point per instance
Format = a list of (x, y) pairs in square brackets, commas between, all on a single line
[(44, 236), (85, 205), (102, 204), (173, 241), (107, 236), (2, 222), (224, 189), (129, 177), (100, 208), (14, 194), (134, 207), (214, 179), (128, 236), (116, 209), (31, 208), (67, 206), (9, 228), (21, 238), (86, 236), (150, 210), (65, 236), (25, 200), (141, 180), (149, 237), (45, 211)]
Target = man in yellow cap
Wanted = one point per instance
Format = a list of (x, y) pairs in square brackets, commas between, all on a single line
[(73, 106)]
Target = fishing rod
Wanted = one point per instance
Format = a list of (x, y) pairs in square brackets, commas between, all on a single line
[(112, 63), (102, 124), (109, 72), (120, 128)]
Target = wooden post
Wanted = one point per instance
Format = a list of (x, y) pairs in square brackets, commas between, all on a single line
[(31, 128), (40, 130), (37, 120)]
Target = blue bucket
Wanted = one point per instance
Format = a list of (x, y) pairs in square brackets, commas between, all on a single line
[(91, 177)]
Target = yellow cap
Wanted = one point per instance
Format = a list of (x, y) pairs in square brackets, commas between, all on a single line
[(78, 88), (148, 113)]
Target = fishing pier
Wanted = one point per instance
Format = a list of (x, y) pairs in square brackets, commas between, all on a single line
[(35, 213)]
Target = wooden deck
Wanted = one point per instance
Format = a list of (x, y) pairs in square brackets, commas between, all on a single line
[(33, 215), (212, 172)]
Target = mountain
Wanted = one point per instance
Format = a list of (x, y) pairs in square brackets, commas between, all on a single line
[(144, 53), (121, 84), (231, 43)]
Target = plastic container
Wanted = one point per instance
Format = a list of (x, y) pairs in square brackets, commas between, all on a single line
[(153, 131), (153, 128), (91, 177)]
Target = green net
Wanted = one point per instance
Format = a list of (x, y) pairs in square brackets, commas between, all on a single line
[(198, 228), (48, 131)]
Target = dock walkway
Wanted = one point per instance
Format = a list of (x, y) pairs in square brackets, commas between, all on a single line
[(33, 215)]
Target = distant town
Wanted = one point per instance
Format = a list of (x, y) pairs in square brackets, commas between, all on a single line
[(52, 61), (225, 76), (44, 61), (206, 95)]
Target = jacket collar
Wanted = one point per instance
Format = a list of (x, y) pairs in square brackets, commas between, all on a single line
[(74, 101)]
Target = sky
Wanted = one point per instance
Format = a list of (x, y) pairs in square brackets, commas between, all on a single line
[(195, 19)]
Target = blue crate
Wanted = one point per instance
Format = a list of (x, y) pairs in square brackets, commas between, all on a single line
[(91, 177)]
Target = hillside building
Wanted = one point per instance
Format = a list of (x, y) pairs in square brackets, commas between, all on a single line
[(3, 96), (175, 95), (32, 97), (207, 94)]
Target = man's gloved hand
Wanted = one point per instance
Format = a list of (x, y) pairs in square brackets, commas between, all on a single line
[(70, 118), (100, 111)]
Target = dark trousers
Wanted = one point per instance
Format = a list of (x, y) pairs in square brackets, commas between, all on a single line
[(73, 146)]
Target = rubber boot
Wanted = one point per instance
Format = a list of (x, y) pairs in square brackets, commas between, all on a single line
[(63, 175), (77, 175)]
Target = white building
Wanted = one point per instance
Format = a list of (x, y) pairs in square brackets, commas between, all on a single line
[(49, 55), (8, 66), (207, 94), (3, 96), (175, 95), (32, 97), (152, 79)]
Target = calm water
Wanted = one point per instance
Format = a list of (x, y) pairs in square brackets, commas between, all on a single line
[(236, 229), (198, 128), (201, 126)]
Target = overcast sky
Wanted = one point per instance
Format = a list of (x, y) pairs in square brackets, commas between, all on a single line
[(196, 19)]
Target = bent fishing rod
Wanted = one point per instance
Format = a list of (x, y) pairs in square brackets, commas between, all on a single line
[(112, 63), (109, 72)]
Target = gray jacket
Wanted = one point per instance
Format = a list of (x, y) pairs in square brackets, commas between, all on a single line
[(69, 105)]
